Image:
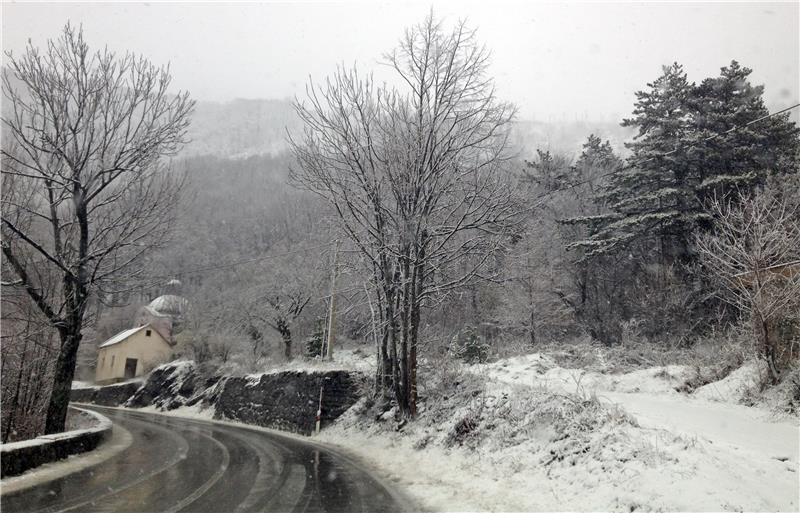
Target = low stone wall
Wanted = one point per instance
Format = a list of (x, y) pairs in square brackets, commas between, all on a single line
[(289, 400), (109, 395), (17, 457)]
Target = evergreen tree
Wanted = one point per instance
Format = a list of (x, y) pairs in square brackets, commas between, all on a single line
[(599, 303), (682, 154), (745, 156), (644, 198), (547, 172)]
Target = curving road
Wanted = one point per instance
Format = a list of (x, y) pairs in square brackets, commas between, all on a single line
[(177, 464)]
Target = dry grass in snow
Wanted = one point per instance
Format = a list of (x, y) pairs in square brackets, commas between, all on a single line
[(526, 435)]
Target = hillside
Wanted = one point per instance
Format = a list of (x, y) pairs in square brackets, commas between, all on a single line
[(243, 128)]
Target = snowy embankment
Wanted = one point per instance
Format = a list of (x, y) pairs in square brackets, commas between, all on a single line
[(526, 435), (17, 457)]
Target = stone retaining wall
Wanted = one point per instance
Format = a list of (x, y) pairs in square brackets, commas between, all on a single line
[(109, 395), (289, 400), (17, 457), (286, 400)]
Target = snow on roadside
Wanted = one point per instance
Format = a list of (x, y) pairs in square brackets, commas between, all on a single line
[(84, 385), (344, 359), (80, 419), (541, 438), (735, 386), (196, 411), (537, 369)]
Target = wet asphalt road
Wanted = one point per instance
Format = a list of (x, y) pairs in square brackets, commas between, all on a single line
[(177, 464)]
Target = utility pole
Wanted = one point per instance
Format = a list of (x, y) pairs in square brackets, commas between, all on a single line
[(332, 313)]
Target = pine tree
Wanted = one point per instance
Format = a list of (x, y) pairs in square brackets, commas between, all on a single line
[(547, 172), (644, 197), (747, 155), (658, 199)]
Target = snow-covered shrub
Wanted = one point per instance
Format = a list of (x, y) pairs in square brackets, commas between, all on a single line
[(717, 355), (470, 346), (792, 381), (782, 399), (312, 345), (468, 421)]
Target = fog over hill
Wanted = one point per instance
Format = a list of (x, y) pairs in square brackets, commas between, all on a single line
[(243, 128)]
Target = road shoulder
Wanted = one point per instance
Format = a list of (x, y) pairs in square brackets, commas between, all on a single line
[(120, 440)]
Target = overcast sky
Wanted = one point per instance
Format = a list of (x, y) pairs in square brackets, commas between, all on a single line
[(554, 60)]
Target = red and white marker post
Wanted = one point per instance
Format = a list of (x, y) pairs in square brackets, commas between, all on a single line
[(319, 409)]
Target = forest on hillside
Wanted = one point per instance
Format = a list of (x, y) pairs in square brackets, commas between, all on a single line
[(605, 241), (608, 248), (653, 243)]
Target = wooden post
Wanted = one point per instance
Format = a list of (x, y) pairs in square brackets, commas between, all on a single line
[(332, 313)]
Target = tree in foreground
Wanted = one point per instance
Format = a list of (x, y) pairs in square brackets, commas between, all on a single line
[(754, 253), (85, 191), (416, 176)]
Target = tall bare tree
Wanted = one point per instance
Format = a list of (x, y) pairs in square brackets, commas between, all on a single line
[(755, 254), (86, 191), (416, 175)]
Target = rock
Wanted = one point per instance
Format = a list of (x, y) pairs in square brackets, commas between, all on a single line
[(167, 387)]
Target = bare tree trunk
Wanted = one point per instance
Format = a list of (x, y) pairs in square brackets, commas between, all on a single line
[(286, 337), (417, 288), (62, 382), (532, 329), (763, 333), (392, 306)]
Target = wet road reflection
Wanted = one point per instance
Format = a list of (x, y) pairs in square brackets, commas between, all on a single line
[(178, 464)]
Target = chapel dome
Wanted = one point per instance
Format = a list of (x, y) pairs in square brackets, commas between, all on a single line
[(168, 304)]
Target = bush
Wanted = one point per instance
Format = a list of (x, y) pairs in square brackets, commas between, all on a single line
[(469, 346), (312, 346)]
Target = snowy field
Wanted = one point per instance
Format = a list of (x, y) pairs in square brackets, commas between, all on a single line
[(543, 438)]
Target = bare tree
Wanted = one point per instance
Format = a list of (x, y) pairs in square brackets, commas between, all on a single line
[(416, 177), (755, 253), (275, 298), (86, 193)]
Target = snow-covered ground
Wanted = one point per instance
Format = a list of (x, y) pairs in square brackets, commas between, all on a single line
[(644, 447), (344, 359), (83, 385)]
